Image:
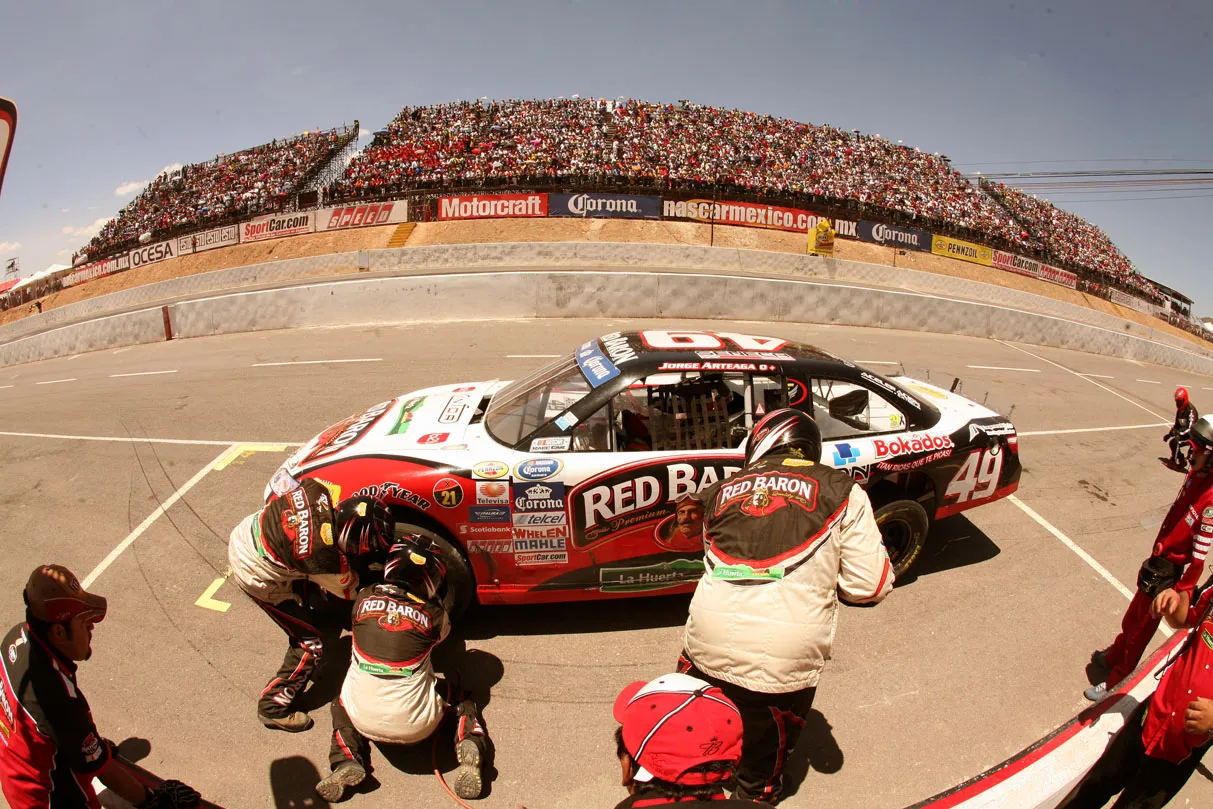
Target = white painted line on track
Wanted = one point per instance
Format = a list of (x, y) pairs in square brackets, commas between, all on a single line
[(1096, 429), (10, 386), (129, 439), (142, 373), (56, 381), (876, 362), (315, 362), (120, 350), (1097, 376), (1201, 388), (151, 518), (1000, 368), (1149, 381), (1080, 376), (531, 356), (1086, 557), (1135, 362)]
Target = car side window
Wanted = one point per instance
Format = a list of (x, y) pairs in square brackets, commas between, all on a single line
[(844, 409)]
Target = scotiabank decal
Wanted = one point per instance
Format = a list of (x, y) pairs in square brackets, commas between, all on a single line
[(360, 216), (639, 503), (490, 207), (752, 214), (276, 226)]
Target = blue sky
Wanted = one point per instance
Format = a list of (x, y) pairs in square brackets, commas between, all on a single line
[(110, 93)]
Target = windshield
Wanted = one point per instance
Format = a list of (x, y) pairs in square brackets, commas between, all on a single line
[(522, 407)]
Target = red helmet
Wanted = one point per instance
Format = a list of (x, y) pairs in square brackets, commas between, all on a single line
[(1181, 397)]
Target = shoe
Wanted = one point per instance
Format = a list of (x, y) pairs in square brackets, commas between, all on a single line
[(1100, 658), (468, 783), (1096, 692), (296, 722), (347, 774)]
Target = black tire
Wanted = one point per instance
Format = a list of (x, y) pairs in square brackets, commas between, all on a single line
[(903, 528), (460, 589)]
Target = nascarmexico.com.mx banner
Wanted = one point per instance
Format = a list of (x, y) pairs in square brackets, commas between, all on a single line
[(965, 251), (751, 214)]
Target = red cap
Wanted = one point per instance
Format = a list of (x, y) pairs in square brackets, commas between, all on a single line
[(675, 723), (54, 594)]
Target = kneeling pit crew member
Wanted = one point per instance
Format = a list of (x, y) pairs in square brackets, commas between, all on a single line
[(50, 749), (391, 693), (1177, 437), (784, 536), (302, 536)]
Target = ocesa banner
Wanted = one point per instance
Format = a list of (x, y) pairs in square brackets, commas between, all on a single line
[(208, 240), (492, 207), (275, 226), (965, 251), (360, 216), (894, 236), (616, 206), (1034, 269), (151, 253)]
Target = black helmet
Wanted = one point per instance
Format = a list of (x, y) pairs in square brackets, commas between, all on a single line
[(1202, 433), (784, 431), (415, 565), (364, 525)]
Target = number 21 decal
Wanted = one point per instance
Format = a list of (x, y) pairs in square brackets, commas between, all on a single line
[(978, 477)]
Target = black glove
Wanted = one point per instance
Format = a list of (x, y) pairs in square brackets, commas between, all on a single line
[(171, 795)]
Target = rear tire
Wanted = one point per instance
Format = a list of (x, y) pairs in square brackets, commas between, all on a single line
[(460, 589), (903, 529)]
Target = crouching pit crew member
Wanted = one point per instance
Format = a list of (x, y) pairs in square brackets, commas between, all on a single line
[(391, 693), (783, 536), (301, 536), (678, 743), (50, 749), (1177, 437)]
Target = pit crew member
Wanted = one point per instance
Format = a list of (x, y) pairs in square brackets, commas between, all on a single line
[(783, 536), (391, 693), (300, 537), (1185, 414), (1183, 540), (50, 749)]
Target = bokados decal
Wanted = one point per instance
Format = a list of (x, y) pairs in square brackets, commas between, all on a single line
[(640, 501)]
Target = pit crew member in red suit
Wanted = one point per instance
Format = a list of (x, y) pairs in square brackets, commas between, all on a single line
[(783, 536), (391, 693), (1185, 414), (299, 537), (50, 749), (1184, 539), (1168, 735), (678, 744)]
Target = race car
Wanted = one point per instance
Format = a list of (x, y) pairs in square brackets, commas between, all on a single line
[(577, 481)]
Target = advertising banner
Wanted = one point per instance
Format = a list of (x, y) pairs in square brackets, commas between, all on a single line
[(598, 206), (894, 236), (493, 207), (360, 216), (1033, 269), (275, 226), (965, 251), (151, 253), (89, 272), (752, 214), (209, 240), (1059, 276), (1125, 299)]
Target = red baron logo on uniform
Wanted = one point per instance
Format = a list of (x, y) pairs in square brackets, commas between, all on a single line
[(303, 521), (91, 748), (766, 493), (384, 607), (910, 444)]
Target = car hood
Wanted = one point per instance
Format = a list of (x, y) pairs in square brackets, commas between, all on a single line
[(953, 407)]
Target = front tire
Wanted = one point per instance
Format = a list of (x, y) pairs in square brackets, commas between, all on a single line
[(903, 528), (460, 588)]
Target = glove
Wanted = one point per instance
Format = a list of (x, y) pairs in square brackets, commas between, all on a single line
[(171, 795)]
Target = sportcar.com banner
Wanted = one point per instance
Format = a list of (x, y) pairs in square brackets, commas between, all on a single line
[(965, 251), (894, 236), (493, 207), (275, 226), (600, 206), (1034, 269), (751, 214), (208, 240), (360, 216)]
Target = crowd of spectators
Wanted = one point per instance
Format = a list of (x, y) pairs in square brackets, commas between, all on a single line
[(668, 146), (1072, 241), (259, 180)]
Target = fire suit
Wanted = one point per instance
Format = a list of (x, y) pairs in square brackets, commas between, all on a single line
[(783, 536), (288, 543), (1178, 436), (1183, 539)]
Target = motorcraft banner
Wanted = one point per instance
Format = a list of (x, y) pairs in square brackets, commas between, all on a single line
[(894, 236), (965, 251), (753, 215), (208, 240), (360, 216), (275, 226), (604, 206), (493, 207), (1033, 269), (151, 253)]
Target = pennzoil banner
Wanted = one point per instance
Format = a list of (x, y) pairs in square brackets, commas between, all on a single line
[(965, 251), (752, 215)]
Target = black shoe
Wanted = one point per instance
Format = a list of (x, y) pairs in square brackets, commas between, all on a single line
[(468, 781), (347, 774), (296, 722)]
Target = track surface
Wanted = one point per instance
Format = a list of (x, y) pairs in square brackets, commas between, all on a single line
[(980, 654)]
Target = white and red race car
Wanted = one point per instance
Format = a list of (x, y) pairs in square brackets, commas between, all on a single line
[(573, 483)]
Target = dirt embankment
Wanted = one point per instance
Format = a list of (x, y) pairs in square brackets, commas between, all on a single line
[(571, 230)]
